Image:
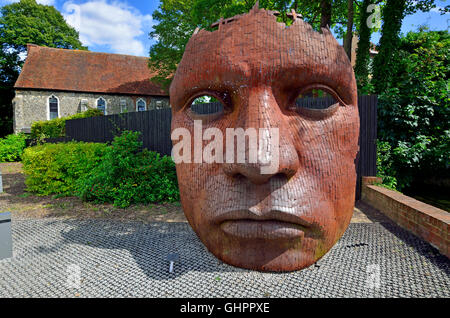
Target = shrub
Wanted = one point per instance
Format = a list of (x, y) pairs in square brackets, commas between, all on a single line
[(384, 165), (128, 175), (414, 112), (56, 168), (57, 127), (11, 147)]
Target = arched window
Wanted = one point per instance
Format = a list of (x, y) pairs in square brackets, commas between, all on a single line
[(53, 107), (141, 105), (101, 105)]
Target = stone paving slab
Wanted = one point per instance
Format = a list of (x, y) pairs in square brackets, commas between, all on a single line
[(119, 259)]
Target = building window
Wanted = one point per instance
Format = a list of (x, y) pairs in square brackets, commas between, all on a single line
[(141, 105), (84, 105), (53, 107), (101, 105), (159, 104), (123, 105)]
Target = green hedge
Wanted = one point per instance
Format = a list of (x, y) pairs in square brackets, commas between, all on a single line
[(120, 173), (128, 175), (11, 147), (57, 127), (56, 168)]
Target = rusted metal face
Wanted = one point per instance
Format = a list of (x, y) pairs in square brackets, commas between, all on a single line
[(256, 66)]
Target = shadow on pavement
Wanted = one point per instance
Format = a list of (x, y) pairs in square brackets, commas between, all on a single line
[(149, 244)]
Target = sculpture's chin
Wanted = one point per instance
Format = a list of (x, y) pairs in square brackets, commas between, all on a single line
[(288, 250), (277, 264), (275, 255)]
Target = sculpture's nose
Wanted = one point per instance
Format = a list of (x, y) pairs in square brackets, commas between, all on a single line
[(274, 152)]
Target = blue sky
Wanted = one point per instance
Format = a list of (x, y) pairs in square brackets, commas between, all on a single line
[(122, 26)]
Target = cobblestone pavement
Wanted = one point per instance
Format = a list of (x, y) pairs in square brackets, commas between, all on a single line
[(117, 259)]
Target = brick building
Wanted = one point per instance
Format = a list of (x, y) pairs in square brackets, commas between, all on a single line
[(57, 83)]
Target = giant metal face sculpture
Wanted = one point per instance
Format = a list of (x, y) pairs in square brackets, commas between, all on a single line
[(288, 219)]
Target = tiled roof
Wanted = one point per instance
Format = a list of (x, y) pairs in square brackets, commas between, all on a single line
[(84, 71)]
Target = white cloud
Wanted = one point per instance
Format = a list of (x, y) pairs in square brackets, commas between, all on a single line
[(46, 2), (109, 23)]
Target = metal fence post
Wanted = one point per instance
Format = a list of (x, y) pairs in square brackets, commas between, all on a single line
[(5, 235), (1, 182)]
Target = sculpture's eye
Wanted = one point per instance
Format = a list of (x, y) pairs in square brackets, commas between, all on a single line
[(316, 101), (206, 107)]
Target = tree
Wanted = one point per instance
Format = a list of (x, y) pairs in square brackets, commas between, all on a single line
[(413, 110), (22, 23), (363, 50), (393, 13), (28, 22), (349, 34), (325, 16)]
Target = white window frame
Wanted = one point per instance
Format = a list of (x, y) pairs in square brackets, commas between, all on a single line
[(106, 104), (145, 104), (84, 104), (123, 105), (48, 106)]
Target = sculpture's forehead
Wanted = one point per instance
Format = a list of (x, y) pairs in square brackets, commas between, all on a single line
[(255, 47), (257, 37)]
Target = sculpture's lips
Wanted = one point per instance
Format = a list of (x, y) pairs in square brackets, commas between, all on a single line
[(269, 229), (272, 225)]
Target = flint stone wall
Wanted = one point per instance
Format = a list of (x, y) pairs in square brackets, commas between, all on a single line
[(32, 105)]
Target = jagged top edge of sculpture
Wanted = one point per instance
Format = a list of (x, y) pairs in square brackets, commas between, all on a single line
[(295, 16)]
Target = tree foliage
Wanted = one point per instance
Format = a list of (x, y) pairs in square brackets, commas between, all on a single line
[(28, 22), (363, 49), (22, 23), (349, 33), (393, 14), (175, 25), (414, 113)]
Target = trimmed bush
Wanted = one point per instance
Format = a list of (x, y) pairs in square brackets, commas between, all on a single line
[(128, 175), (56, 168), (11, 147), (57, 127), (120, 173)]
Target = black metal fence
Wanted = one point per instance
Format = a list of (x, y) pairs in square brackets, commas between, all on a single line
[(155, 128)]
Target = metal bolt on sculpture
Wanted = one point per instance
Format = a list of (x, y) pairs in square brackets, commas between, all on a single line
[(256, 67)]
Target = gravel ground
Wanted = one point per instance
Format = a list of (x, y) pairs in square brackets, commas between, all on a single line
[(107, 258)]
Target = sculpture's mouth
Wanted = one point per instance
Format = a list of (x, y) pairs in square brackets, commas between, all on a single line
[(267, 229), (271, 225)]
